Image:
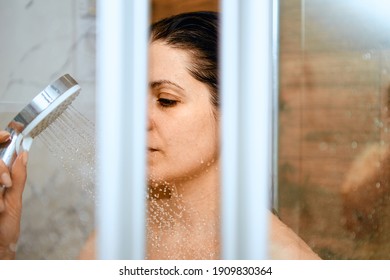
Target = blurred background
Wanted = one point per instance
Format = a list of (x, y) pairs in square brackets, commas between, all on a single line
[(334, 125), (333, 121)]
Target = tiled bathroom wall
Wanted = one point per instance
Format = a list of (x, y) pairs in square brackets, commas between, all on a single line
[(42, 40)]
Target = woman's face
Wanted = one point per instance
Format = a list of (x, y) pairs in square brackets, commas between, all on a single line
[(183, 137)]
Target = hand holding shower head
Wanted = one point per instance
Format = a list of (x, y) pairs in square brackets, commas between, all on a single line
[(43, 110)]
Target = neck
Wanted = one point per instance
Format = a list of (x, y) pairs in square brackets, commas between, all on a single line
[(184, 214)]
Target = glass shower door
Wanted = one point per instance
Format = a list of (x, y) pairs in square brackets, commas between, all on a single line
[(333, 176)]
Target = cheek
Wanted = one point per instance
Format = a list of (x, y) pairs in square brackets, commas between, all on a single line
[(198, 138)]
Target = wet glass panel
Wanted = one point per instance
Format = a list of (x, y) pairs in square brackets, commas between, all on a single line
[(334, 126)]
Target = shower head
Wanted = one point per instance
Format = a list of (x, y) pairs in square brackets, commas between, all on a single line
[(43, 110)]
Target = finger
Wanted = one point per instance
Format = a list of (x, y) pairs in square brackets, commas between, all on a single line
[(5, 178), (4, 136), (5, 181), (16, 126), (2, 204), (19, 176)]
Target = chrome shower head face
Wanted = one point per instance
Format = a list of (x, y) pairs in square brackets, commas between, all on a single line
[(43, 110)]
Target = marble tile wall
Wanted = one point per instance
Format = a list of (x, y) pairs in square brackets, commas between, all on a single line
[(40, 41)]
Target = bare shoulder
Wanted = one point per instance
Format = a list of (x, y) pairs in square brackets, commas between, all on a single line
[(285, 244), (88, 252)]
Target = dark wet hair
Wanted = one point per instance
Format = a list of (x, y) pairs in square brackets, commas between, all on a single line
[(197, 33)]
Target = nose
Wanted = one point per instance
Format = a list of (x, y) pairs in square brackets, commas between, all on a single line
[(150, 123), (150, 118)]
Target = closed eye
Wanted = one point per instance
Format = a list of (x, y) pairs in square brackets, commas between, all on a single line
[(164, 102)]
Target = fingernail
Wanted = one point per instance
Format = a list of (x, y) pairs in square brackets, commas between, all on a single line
[(6, 180), (4, 136), (24, 158)]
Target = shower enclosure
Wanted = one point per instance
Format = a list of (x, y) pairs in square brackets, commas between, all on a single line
[(315, 71)]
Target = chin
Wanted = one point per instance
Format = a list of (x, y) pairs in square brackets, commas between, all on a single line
[(155, 177)]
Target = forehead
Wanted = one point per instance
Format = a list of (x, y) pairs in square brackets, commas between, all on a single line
[(168, 62), (171, 64)]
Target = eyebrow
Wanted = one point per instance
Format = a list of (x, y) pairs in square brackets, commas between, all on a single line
[(162, 82)]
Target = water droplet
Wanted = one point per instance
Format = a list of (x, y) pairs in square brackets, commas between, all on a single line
[(367, 56), (323, 146), (378, 122), (71, 139)]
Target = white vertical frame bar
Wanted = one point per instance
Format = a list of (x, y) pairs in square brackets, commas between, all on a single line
[(246, 90), (122, 46), (275, 104), (229, 73)]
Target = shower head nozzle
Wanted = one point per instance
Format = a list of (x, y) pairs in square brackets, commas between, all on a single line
[(43, 110)]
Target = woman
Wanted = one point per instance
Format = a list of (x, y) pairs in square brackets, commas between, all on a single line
[(183, 217)]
